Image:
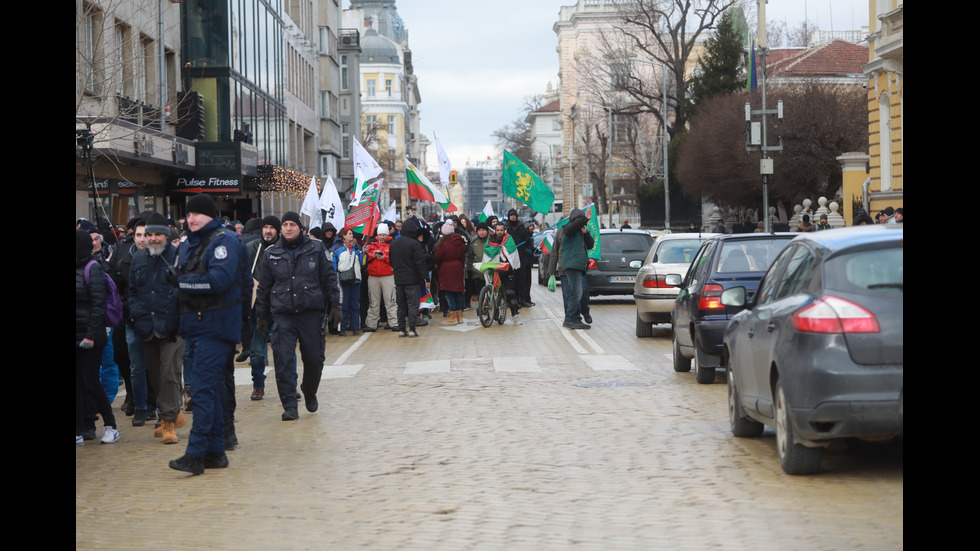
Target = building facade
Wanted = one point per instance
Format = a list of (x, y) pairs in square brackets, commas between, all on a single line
[(885, 72)]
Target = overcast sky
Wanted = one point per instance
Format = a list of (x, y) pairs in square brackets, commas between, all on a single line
[(477, 60)]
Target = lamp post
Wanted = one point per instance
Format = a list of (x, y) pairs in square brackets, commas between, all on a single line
[(756, 136), (663, 131)]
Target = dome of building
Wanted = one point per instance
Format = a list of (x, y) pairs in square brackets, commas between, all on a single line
[(378, 49)]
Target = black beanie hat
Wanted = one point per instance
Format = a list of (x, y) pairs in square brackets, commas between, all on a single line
[(292, 217), (157, 223), (202, 203), (272, 221)]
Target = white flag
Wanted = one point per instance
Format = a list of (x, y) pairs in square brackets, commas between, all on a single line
[(444, 165), (487, 212), (330, 202), (391, 213), (311, 201), (363, 161)]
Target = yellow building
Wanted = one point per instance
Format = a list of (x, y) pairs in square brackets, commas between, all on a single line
[(885, 107)]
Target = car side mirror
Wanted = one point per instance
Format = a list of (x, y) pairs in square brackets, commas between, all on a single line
[(733, 297), (674, 280), (636, 264)]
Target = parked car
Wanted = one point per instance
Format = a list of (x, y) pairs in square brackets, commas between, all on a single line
[(622, 252), (670, 253), (698, 318), (818, 353)]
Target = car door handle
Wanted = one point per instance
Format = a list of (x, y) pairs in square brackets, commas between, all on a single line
[(770, 328)]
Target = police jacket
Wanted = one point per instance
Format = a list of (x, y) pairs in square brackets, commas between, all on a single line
[(298, 278), (211, 269), (153, 308)]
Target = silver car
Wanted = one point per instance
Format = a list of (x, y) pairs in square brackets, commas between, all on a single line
[(671, 254)]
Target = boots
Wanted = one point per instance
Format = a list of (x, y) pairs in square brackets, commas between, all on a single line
[(450, 318), (459, 317), (169, 432), (158, 432)]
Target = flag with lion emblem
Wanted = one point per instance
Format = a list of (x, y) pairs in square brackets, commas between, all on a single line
[(521, 183)]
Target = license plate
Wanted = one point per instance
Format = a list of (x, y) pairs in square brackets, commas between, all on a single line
[(622, 279)]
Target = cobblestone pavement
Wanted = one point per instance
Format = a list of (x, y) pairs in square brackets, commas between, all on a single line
[(530, 437)]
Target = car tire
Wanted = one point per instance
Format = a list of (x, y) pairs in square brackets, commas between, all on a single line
[(704, 375), (741, 426), (681, 364), (793, 458), (643, 329)]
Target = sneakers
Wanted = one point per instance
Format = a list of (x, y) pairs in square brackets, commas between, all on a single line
[(109, 435), (258, 394), (188, 463), (413, 334), (290, 415), (139, 418), (587, 317), (79, 441), (215, 461), (575, 325), (403, 334), (516, 320), (169, 432)]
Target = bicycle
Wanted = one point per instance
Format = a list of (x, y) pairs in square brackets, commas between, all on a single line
[(492, 304)]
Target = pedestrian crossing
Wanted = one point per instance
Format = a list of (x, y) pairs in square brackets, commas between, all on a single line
[(500, 364)]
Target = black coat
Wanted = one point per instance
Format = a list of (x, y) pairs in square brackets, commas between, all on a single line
[(153, 307), (90, 303), (297, 279), (408, 256)]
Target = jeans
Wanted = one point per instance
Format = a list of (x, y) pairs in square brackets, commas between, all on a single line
[(572, 289), (257, 357), (350, 317), (137, 366), (109, 372), (454, 299)]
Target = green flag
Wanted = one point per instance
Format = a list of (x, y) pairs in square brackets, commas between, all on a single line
[(521, 183)]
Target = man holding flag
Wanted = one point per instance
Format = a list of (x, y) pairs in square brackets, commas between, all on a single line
[(501, 247), (573, 251)]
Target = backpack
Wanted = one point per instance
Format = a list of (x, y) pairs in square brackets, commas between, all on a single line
[(113, 304)]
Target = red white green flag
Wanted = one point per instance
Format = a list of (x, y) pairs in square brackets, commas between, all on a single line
[(421, 188), (506, 250)]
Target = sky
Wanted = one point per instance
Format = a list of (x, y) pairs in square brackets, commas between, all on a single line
[(476, 60)]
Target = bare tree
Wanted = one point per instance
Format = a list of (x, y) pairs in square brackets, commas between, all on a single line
[(517, 136), (802, 34)]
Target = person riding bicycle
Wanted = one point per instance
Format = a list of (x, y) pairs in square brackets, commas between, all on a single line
[(502, 248)]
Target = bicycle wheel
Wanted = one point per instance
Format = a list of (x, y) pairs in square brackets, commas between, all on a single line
[(501, 307), (484, 306)]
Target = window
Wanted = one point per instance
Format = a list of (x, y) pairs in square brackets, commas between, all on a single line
[(345, 140), (370, 122), (388, 87), (371, 84), (391, 123), (325, 40), (344, 79), (324, 104), (391, 159)]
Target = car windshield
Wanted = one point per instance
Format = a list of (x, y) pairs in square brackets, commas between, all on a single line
[(867, 272), (749, 255), (678, 251), (618, 243)]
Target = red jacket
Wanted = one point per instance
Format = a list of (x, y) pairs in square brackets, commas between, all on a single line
[(378, 267)]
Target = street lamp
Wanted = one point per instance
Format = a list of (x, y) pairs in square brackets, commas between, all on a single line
[(663, 130)]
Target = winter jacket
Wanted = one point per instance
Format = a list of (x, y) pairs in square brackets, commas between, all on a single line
[(210, 294), (450, 253), (90, 303), (153, 308), (378, 267), (345, 258), (575, 244), (408, 262), (299, 278)]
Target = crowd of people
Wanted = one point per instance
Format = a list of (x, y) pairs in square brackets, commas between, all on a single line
[(164, 304)]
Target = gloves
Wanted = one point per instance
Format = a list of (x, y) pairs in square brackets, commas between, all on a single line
[(551, 283), (333, 319), (86, 344)]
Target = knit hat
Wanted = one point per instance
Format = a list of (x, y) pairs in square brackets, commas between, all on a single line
[(272, 221), (383, 229), (88, 226), (202, 203), (157, 223), (447, 228), (292, 216)]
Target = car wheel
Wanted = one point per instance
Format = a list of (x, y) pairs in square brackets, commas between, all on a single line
[(704, 375), (484, 306), (793, 458), (643, 329), (741, 425), (681, 364)]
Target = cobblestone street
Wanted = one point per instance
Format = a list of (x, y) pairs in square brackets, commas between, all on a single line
[(531, 437)]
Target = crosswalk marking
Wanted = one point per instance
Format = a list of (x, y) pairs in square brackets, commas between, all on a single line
[(516, 364), (340, 371), (431, 366), (609, 362)]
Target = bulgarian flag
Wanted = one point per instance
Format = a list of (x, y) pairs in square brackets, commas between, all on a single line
[(506, 250), (547, 244), (421, 188), (487, 212), (426, 302)]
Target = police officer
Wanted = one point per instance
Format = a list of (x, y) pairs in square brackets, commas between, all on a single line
[(298, 291), (209, 274)]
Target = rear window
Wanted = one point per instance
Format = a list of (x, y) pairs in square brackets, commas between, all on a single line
[(678, 251), (749, 256), (618, 243), (878, 271)]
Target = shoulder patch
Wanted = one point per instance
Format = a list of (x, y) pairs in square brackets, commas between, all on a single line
[(221, 252)]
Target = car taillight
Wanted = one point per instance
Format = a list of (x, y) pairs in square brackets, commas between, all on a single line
[(593, 265), (711, 297), (655, 282), (835, 315)]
